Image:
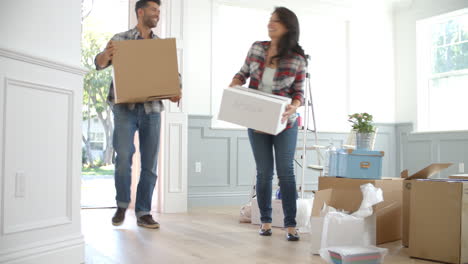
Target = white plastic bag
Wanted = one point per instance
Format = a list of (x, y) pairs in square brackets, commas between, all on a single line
[(357, 229), (303, 213), (245, 215)]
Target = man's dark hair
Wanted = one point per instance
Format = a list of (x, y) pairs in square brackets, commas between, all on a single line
[(144, 3)]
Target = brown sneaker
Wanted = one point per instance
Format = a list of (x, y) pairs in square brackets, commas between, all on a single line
[(119, 216), (147, 221)]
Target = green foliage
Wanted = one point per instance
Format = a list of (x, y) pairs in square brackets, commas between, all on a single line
[(96, 83), (450, 53), (104, 170), (98, 163), (362, 122)]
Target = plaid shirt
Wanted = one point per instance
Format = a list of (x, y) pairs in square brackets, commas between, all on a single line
[(289, 76), (132, 34)]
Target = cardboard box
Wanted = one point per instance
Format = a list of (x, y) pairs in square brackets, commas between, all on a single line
[(439, 220), (253, 109), (340, 199), (145, 70), (388, 212), (408, 181)]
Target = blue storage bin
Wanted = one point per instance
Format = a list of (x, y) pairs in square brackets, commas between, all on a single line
[(337, 162), (357, 164), (363, 164)]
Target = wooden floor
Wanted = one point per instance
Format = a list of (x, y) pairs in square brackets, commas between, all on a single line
[(205, 235)]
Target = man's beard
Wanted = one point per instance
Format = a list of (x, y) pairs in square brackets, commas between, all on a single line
[(149, 22)]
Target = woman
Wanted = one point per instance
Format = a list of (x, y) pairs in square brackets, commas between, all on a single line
[(278, 67)]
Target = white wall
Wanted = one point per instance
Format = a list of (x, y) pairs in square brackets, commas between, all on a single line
[(41, 86), (372, 87), (405, 18), (47, 29), (371, 52), (197, 77)]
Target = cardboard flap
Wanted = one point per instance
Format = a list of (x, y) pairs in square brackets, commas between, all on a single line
[(340, 199), (320, 198), (429, 171), (404, 174)]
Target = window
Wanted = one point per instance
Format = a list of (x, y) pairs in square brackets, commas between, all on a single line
[(443, 72), (327, 47), (96, 140)]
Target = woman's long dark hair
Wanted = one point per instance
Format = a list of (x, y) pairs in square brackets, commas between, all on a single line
[(289, 42)]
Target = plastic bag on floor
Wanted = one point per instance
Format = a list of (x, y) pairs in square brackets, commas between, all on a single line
[(246, 213)]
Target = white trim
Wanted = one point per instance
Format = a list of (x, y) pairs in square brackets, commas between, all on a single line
[(42, 247), (42, 62), (444, 17), (67, 219), (449, 74), (219, 194)]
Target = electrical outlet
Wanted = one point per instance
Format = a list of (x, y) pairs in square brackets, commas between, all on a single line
[(197, 166), (20, 184), (461, 167)]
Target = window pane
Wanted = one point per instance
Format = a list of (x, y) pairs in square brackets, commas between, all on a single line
[(451, 31), (464, 28), (438, 35), (96, 145), (92, 136), (447, 100), (440, 60), (451, 58), (100, 137)]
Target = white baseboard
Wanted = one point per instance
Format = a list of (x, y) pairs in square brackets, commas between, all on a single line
[(70, 251)]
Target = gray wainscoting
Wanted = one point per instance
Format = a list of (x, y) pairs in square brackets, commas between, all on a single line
[(228, 168), (417, 150)]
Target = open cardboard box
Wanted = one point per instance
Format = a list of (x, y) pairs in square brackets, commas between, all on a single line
[(439, 220), (388, 212), (425, 173)]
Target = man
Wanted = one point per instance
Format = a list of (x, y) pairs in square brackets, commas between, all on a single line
[(128, 118)]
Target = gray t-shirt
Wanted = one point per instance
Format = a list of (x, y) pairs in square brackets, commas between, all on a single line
[(266, 85)]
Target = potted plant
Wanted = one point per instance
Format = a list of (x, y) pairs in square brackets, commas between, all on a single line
[(363, 125)]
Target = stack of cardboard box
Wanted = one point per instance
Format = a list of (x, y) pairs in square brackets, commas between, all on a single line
[(430, 216)]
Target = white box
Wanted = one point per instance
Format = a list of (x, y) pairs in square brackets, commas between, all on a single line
[(253, 109)]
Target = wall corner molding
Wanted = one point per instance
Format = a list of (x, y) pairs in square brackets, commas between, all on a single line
[(15, 55)]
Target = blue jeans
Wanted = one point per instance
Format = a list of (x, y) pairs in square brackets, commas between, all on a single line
[(284, 145), (126, 123)]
